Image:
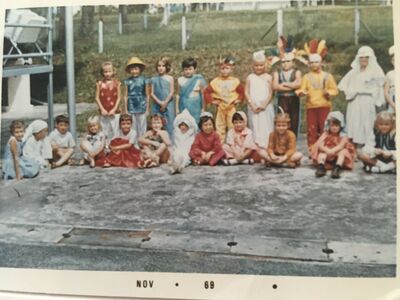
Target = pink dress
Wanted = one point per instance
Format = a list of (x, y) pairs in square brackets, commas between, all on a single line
[(239, 141)]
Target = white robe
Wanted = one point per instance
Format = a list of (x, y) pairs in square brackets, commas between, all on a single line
[(261, 123), (364, 91)]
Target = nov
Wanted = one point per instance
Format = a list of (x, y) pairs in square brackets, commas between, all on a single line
[(144, 283)]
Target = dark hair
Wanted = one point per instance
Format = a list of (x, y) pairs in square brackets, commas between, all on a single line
[(204, 119), (140, 66), (236, 116), (335, 122), (166, 63), (61, 119), (125, 117), (158, 116), (189, 62), (16, 124)]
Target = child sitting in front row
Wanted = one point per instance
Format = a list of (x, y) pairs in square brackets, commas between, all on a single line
[(185, 129), (379, 153), (15, 165), (240, 144), (333, 150), (123, 152), (206, 148), (37, 143), (62, 142), (281, 149), (155, 143), (94, 142)]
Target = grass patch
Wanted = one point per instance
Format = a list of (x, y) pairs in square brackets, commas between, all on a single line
[(217, 34)]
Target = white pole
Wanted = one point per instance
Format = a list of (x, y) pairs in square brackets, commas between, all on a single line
[(208, 7), (119, 23), (145, 19), (69, 58), (333, 2), (356, 25), (279, 26), (100, 36), (184, 33)]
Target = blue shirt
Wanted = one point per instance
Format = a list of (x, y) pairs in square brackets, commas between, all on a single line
[(136, 94)]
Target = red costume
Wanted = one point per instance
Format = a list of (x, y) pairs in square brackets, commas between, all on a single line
[(206, 143), (332, 140), (108, 94), (128, 158)]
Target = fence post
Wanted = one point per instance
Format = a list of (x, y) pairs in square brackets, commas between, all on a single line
[(145, 19), (356, 25), (119, 23), (333, 2), (184, 33), (208, 7), (279, 24), (100, 32)]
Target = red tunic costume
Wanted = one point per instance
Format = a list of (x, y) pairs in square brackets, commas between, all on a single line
[(206, 143), (109, 94), (330, 140)]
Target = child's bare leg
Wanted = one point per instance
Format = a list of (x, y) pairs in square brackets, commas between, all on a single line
[(321, 158), (340, 158), (64, 155), (163, 153), (294, 160), (366, 159)]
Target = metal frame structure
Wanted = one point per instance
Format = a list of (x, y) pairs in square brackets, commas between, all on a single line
[(18, 70)]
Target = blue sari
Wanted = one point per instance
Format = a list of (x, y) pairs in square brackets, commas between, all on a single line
[(192, 103), (161, 89)]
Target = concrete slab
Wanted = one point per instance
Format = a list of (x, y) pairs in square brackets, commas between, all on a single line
[(188, 241), (32, 233), (366, 253), (280, 248), (105, 237)]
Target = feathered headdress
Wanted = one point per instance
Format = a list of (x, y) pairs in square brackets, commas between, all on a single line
[(315, 46), (281, 116), (285, 51)]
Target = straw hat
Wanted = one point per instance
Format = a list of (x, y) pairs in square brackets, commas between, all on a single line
[(134, 61)]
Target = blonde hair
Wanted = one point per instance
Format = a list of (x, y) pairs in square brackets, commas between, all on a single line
[(385, 116), (107, 64), (281, 116), (93, 120)]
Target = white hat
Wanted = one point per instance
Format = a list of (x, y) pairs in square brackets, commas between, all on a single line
[(365, 51), (391, 51), (206, 114), (259, 56), (38, 125), (315, 57)]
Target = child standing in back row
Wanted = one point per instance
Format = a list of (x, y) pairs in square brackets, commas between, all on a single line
[(390, 92), (108, 96), (258, 92), (162, 93), (191, 86), (137, 95), (319, 87), (224, 91)]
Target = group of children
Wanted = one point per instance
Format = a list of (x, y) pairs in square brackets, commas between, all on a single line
[(182, 132)]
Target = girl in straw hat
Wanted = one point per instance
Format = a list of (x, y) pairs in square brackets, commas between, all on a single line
[(108, 96), (137, 95)]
